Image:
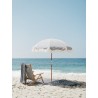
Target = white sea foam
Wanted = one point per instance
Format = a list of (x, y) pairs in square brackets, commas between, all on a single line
[(16, 73), (55, 75)]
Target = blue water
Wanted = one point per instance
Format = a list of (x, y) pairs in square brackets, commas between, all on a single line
[(67, 65)]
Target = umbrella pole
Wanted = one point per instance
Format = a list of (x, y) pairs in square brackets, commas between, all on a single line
[(51, 67)]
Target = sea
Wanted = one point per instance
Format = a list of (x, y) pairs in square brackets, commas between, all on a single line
[(63, 65)]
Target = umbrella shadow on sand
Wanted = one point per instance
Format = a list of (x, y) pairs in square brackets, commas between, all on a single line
[(62, 83), (68, 84)]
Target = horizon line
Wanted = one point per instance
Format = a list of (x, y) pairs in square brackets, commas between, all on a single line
[(44, 58)]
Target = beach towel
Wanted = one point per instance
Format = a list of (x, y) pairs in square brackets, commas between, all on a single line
[(23, 74)]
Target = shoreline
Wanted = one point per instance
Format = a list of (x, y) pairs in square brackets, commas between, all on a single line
[(56, 75)]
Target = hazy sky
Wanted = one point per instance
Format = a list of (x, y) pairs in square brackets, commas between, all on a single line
[(35, 20)]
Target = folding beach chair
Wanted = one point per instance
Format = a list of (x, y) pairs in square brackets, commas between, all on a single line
[(30, 74)]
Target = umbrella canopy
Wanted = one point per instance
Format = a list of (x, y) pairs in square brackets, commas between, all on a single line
[(51, 45)]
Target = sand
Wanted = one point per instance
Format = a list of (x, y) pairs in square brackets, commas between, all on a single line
[(20, 90)]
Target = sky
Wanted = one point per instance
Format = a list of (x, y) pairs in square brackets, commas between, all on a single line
[(36, 20)]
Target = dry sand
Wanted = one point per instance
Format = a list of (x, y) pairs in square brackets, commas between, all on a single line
[(49, 91)]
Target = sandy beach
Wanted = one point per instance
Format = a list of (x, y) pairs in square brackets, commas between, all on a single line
[(20, 90)]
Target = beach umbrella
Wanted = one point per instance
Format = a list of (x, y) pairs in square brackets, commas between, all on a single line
[(51, 45)]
